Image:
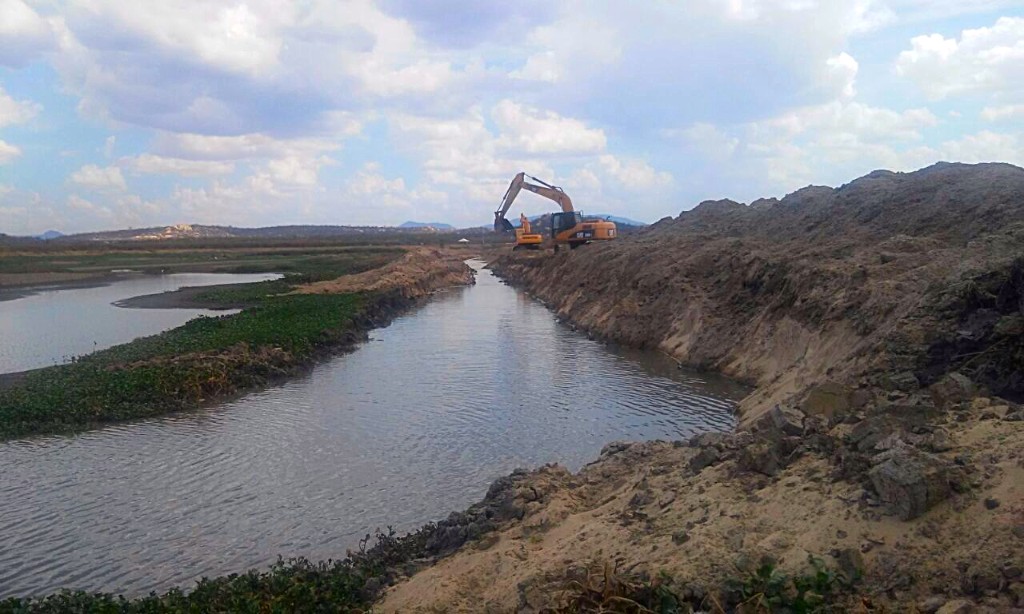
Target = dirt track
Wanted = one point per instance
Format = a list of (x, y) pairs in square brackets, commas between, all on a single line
[(883, 324)]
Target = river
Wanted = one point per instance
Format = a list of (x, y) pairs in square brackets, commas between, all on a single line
[(53, 325), (414, 424)]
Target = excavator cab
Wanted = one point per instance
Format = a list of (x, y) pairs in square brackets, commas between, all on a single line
[(564, 220)]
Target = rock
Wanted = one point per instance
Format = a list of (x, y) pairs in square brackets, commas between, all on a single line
[(788, 420), (991, 503), (1017, 416), (851, 564), (705, 440), (860, 398), (829, 400), (615, 447), (980, 403), (910, 482), (905, 381), (995, 412), (931, 604), (938, 441), (953, 388), (957, 606), (704, 458), (978, 580), (760, 457), (1017, 590)]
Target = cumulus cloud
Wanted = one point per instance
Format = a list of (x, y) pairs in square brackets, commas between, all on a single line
[(8, 152), (161, 165), (986, 60), (99, 178), (828, 143), (1009, 111), (24, 34), (16, 111), (535, 131)]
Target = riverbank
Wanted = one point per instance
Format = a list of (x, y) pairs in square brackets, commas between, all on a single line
[(276, 336), (879, 463)]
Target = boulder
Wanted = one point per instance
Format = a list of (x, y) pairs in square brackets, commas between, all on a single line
[(910, 482), (952, 388), (905, 381), (760, 457), (829, 400), (704, 458)]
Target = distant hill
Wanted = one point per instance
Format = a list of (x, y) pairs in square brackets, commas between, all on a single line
[(621, 220), (299, 232), (50, 234), (434, 225)]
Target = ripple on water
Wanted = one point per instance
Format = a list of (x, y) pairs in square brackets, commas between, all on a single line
[(413, 425)]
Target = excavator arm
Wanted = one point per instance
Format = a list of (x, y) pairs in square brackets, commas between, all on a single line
[(541, 188)]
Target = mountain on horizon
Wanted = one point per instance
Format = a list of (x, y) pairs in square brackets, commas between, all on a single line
[(437, 225), (50, 234)]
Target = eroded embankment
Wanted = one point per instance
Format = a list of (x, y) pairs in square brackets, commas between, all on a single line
[(209, 359), (883, 323)]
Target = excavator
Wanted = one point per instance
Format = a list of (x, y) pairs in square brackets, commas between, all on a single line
[(567, 226)]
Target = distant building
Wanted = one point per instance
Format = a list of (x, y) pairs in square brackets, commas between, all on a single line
[(463, 240)]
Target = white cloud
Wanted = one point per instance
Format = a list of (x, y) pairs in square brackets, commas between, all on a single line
[(99, 178), (534, 131), (8, 152), (988, 61), (1009, 111), (634, 174), (708, 139), (14, 111), (984, 146), (23, 33), (161, 165), (827, 143), (842, 70)]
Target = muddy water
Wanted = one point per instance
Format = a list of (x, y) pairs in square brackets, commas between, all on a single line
[(414, 424), (51, 326)]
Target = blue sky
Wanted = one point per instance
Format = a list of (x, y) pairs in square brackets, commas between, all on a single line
[(116, 114)]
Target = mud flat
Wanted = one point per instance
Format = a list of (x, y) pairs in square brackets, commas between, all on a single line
[(877, 466)]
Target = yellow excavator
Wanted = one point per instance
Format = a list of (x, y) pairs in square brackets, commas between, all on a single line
[(567, 226)]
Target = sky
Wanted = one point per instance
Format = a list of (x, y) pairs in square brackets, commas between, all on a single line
[(119, 114)]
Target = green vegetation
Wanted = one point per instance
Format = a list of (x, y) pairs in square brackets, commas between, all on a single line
[(204, 359), (275, 336), (767, 589), (97, 259), (763, 591), (297, 585)]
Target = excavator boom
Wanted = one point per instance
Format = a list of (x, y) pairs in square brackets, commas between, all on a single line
[(568, 226)]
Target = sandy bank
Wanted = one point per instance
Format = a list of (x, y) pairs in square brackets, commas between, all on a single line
[(883, 325)]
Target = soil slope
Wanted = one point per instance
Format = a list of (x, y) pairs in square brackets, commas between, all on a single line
[(883, 325), (918, 272)]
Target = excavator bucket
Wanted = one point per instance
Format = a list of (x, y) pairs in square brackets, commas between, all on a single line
[(502, 225)]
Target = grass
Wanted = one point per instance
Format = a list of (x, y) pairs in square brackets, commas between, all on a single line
[(296, 585), (228, 259), (207, 358), (764, 590)]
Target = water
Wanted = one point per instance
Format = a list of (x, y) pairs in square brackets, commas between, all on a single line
[(52, 326), (414, 424)]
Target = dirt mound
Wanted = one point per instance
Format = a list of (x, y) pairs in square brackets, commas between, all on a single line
[(876, 276), (883, 324), (418, 273)]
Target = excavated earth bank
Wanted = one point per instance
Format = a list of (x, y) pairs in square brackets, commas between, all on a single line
[(883, 325)]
